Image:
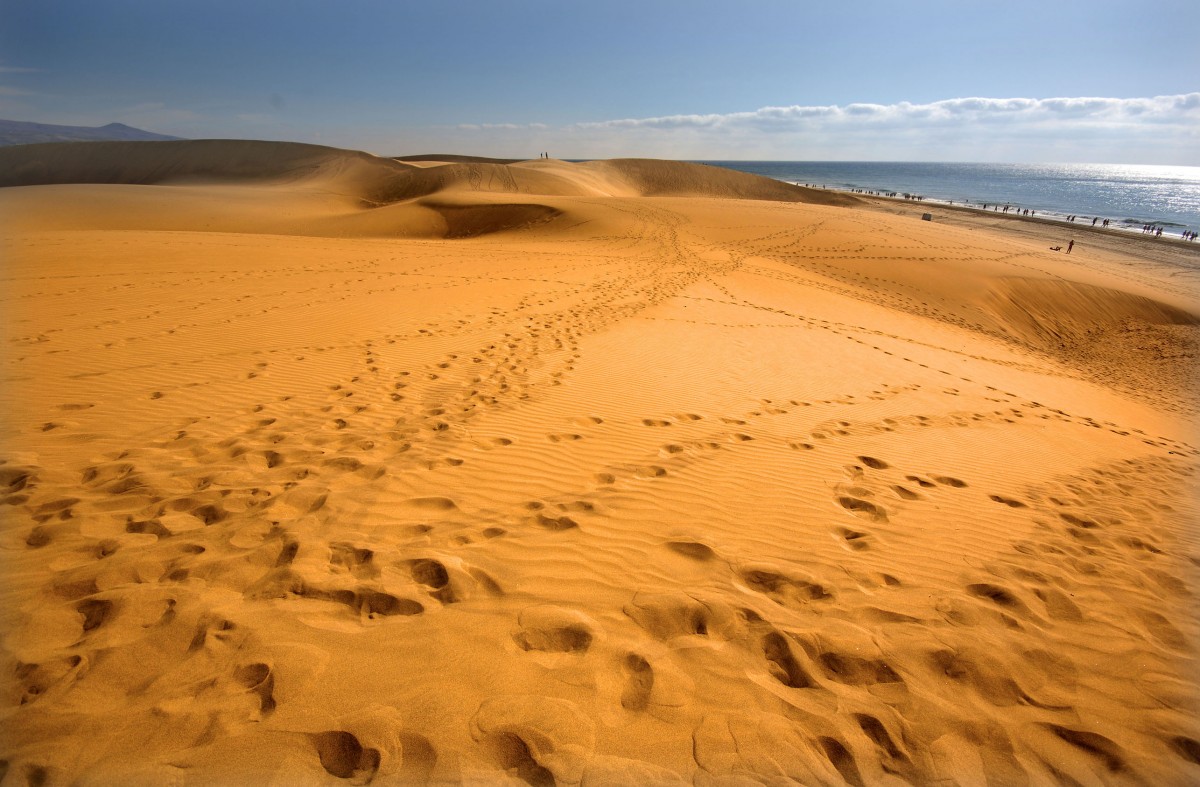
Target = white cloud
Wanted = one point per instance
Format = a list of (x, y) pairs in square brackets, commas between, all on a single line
[(1108, 111), (1159, 129)]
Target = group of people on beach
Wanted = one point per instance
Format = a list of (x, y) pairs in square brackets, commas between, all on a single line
[(1007, 208), (1147, 229), (1157, 231)]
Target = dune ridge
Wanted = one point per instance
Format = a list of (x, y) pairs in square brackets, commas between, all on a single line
[(166, 161), (601, 473), (294, 188), (381, 180)]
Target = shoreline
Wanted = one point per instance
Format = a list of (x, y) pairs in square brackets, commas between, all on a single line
[(1171, 250), (1049, 217), (1165, 197)]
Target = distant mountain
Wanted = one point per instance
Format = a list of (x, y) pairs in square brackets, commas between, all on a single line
[(17, 132)]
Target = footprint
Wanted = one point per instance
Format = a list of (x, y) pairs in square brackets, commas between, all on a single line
[(676, 614), (855, 671), (842, 760), (215, 627), (1164, 631), (15, 479), (1187, 748), (998, 595), (639, 683), (432, 503), (37, 679), (650, 471), (343, 756), (693, 549), (1059, 605), (260, 680), (785, 590), (1076, 521), (1094, 744), (94, 613), (556, 523), (345, 464), (782, 664), (356, 560), (553, 629), (873, 728), (863, 508), (1008, 501), (539, 740), (945, 480), (513, 755), (854, 539), (287, 553), (433, 575), (486, 581), (373, 603), (873, 463), (419, 759)]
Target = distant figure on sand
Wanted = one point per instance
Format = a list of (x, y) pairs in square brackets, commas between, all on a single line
[(1070, 246)]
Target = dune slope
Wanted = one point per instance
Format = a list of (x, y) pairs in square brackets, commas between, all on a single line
[(590, 473), (299, 189)]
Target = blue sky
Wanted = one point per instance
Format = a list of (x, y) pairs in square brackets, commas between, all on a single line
[(970, 80)]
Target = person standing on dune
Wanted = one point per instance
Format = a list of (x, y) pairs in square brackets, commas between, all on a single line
[(1070, 245)]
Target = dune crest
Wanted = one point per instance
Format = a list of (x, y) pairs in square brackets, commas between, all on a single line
[(325, 468), (376, 196)]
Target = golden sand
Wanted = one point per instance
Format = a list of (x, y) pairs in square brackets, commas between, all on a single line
[(324, 468)]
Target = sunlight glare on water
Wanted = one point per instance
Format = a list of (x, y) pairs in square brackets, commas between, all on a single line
[(1126, 193)]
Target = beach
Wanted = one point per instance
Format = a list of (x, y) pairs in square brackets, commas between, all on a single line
[(320, 467), (1137, 199)]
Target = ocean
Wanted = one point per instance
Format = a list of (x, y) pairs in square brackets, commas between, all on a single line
[(1129, 195)]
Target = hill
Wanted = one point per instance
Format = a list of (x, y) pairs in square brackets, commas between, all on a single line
[(19, 132)]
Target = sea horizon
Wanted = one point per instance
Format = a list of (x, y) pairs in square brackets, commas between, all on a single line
[(1129, 195)]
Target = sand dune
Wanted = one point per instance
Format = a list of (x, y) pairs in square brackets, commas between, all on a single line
[(379, 180), (339, 469), (292, 188), (172, 162)]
